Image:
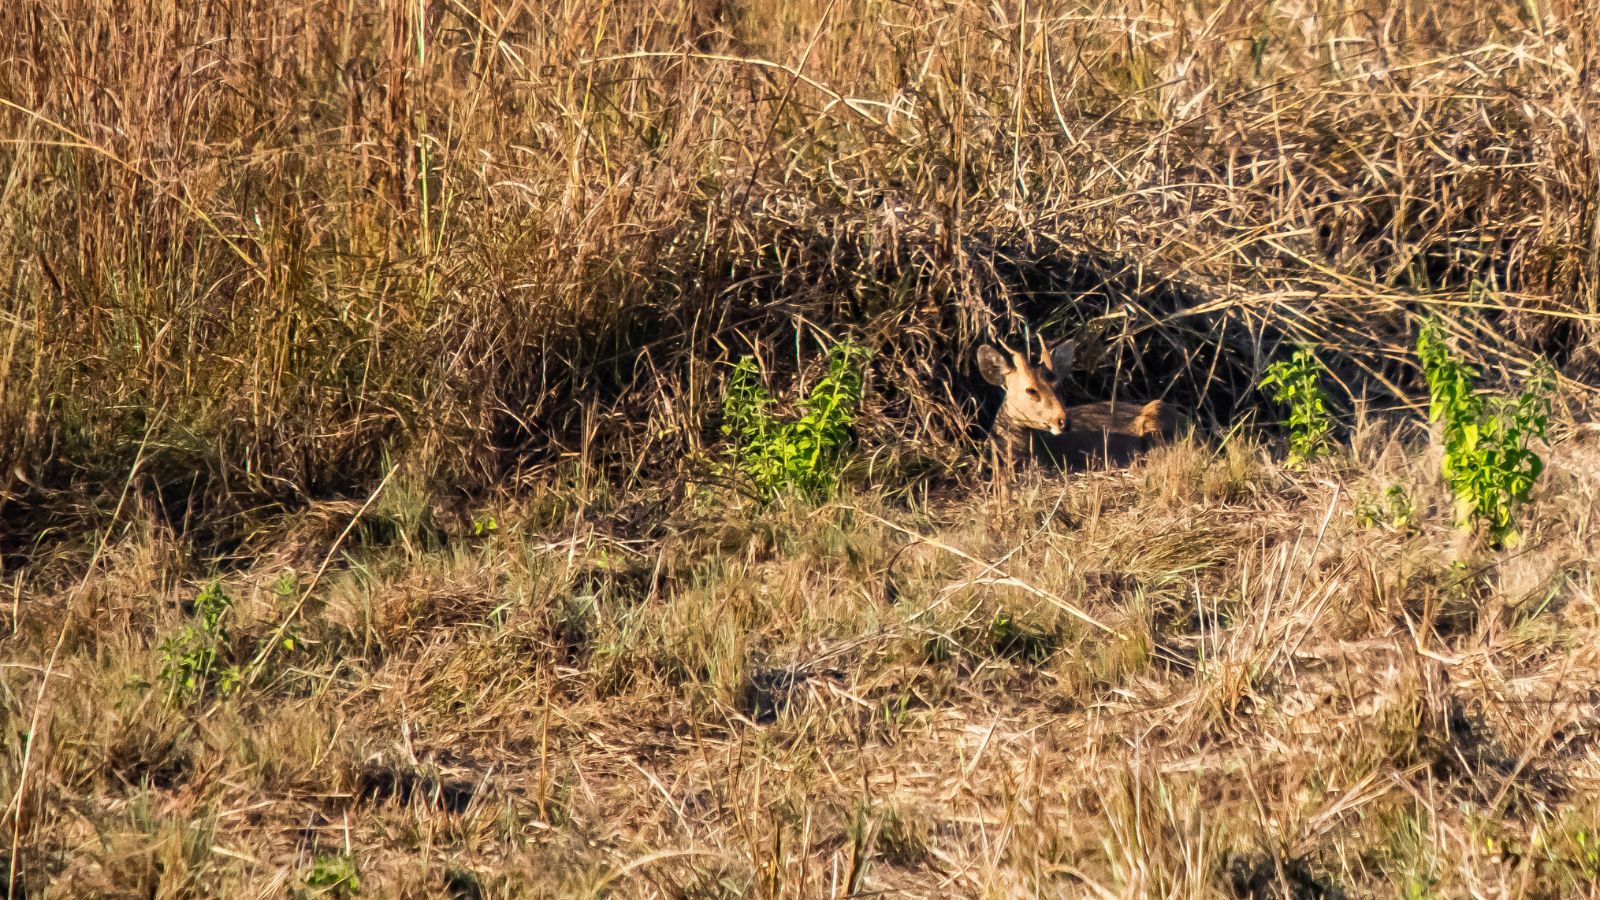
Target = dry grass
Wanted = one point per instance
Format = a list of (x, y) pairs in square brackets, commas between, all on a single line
[(360, 370), (805, 701), (283, 246)]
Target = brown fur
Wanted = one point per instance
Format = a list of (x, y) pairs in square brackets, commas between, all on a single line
[(1033, 425)]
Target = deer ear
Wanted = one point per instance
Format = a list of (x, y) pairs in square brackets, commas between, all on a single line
[(993, 366), (1061, 359)]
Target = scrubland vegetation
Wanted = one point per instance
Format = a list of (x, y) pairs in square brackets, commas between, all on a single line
[(502, 449)]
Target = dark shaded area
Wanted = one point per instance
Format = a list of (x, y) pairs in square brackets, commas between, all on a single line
[(771, 691), (381, 783), (1009, 639), (161, 764), (1260, 877), (1460, 749), (591, 387), (13, 878), (462, 884)]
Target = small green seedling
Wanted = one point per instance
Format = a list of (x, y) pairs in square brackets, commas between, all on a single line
[(330, 875), (1394, 509), (194, 657), (1570, 853), (802, 454), (285, 586), (1297, 382), (1488, 462)]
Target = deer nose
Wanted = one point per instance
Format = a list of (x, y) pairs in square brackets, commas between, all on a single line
[(1059, 425)]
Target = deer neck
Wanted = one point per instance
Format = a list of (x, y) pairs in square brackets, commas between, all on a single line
[(1011, 436)]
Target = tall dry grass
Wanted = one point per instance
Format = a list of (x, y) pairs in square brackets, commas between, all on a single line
[(262, 252)]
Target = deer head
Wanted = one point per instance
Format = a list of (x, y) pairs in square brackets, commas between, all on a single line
[(1030, 400)]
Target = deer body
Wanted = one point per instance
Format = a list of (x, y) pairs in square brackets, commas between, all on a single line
[(1033, 425)]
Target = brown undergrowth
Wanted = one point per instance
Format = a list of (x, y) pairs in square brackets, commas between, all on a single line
[(1279, 697), (270, 249)]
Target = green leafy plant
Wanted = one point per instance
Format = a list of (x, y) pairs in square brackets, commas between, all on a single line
[(1586, 852), (1298, 387), (330, 875), (195, 657), (1394, 509), (285, 586), (1488, 463), (1570, 851), (1008, 637), (800, 454)]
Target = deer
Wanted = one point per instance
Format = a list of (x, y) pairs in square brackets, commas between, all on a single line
[(1033, 423)]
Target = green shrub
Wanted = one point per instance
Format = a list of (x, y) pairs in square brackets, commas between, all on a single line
[(1394, 509), (195, 656), (1296, 380), (1487, 460), (329, 875), (802, 454)]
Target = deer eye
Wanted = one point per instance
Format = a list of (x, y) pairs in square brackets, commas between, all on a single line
[(1033, 393)]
